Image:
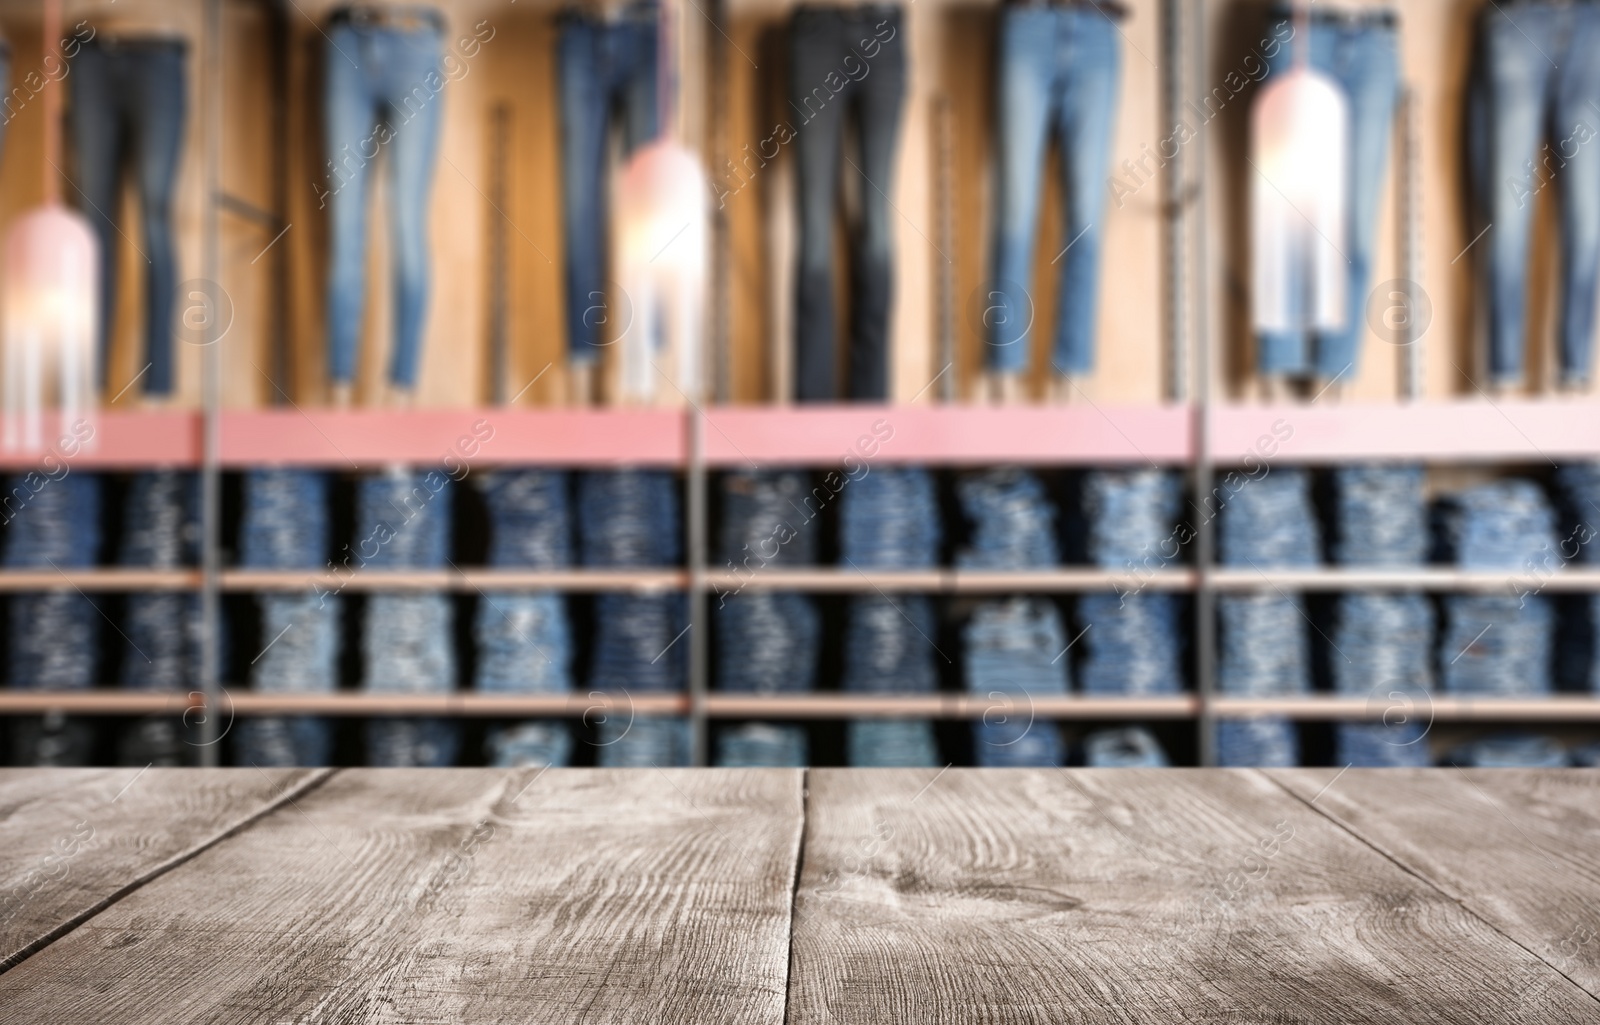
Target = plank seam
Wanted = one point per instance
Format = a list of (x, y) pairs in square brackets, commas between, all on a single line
[(794, 887), (1461, 902), (310, 782)]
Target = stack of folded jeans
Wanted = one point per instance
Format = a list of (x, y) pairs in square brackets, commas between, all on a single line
[(889, 520), (1013, 524), (1511, 751), (54, 526), (766, 641), (160, 531), (630, 518), (1498, 644), (1383, 641), (285, 526), (403, 522), (1012, 646), (1013, 649), (1268, 522), (1579, 487), (1133, 747), (524, 638), (1133, 643)]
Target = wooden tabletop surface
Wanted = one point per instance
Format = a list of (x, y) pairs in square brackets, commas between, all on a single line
[(830, 895)]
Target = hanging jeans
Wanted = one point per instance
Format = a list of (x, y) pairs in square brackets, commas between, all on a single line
[(285, 526), (600, 65), (1058, 70), (129, 105), (1534, 80), (1360, 52), (384, 95), (842, 59)]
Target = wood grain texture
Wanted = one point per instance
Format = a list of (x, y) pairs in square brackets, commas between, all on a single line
[(1520, 848), (73, 839), (1003, 896), (457, 896)]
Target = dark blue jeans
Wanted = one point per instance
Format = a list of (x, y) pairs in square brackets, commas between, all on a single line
[(384, 92), (129, 105), (842, 60), (1360, 53), (1057, 71), (601, 66), (1534, 81)]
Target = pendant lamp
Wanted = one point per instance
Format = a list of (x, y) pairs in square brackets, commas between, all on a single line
[(662, 246), (51, 293), (1299, 131)]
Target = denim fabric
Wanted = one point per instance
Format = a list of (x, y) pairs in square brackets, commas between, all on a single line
[(759, 745), (1269, 521), (889, 519), (1361, 54), (1058, 70), (1013, 523), (284, 524), (1266, 741), (645, 742), (767, 642), (300, 654), (600, 65), (1511, 751), (1264, 644), (1130, 516), (890, 744), (1133, 644), (383, 94), (129, 105), (161, 529), (1012, 650), (402, 521), (629, 518), (843, 60), (1131, 748), (1507, 524), (1578, 485), (524, 638), (1380, 516), (764, 519), (530, 518), (1497, 645), (1383, 640), (888, 645), (638, 643), (1586, 756), (1381, 746), (54, 634), (1532, 122)]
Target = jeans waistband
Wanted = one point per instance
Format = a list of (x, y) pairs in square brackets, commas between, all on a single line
[(390, 16), (1377, 17)]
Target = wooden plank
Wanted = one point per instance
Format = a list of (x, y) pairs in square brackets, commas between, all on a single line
[(74, 840), (1002, 896), (1515, 846), (457, 896)]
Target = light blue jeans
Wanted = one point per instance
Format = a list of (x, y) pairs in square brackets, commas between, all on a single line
[(383, 97), (1058, 70)]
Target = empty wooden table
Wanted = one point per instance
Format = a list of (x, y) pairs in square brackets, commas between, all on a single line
[(830, 895)]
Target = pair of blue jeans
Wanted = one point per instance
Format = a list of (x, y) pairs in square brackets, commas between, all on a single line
[(601, 66), (383, 100), (1534, 82), (1132, 747), (285, 525), (844, 60), (129, 106), (1058, 70), (1013, 524), (1360, 52), (1012, 649)]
